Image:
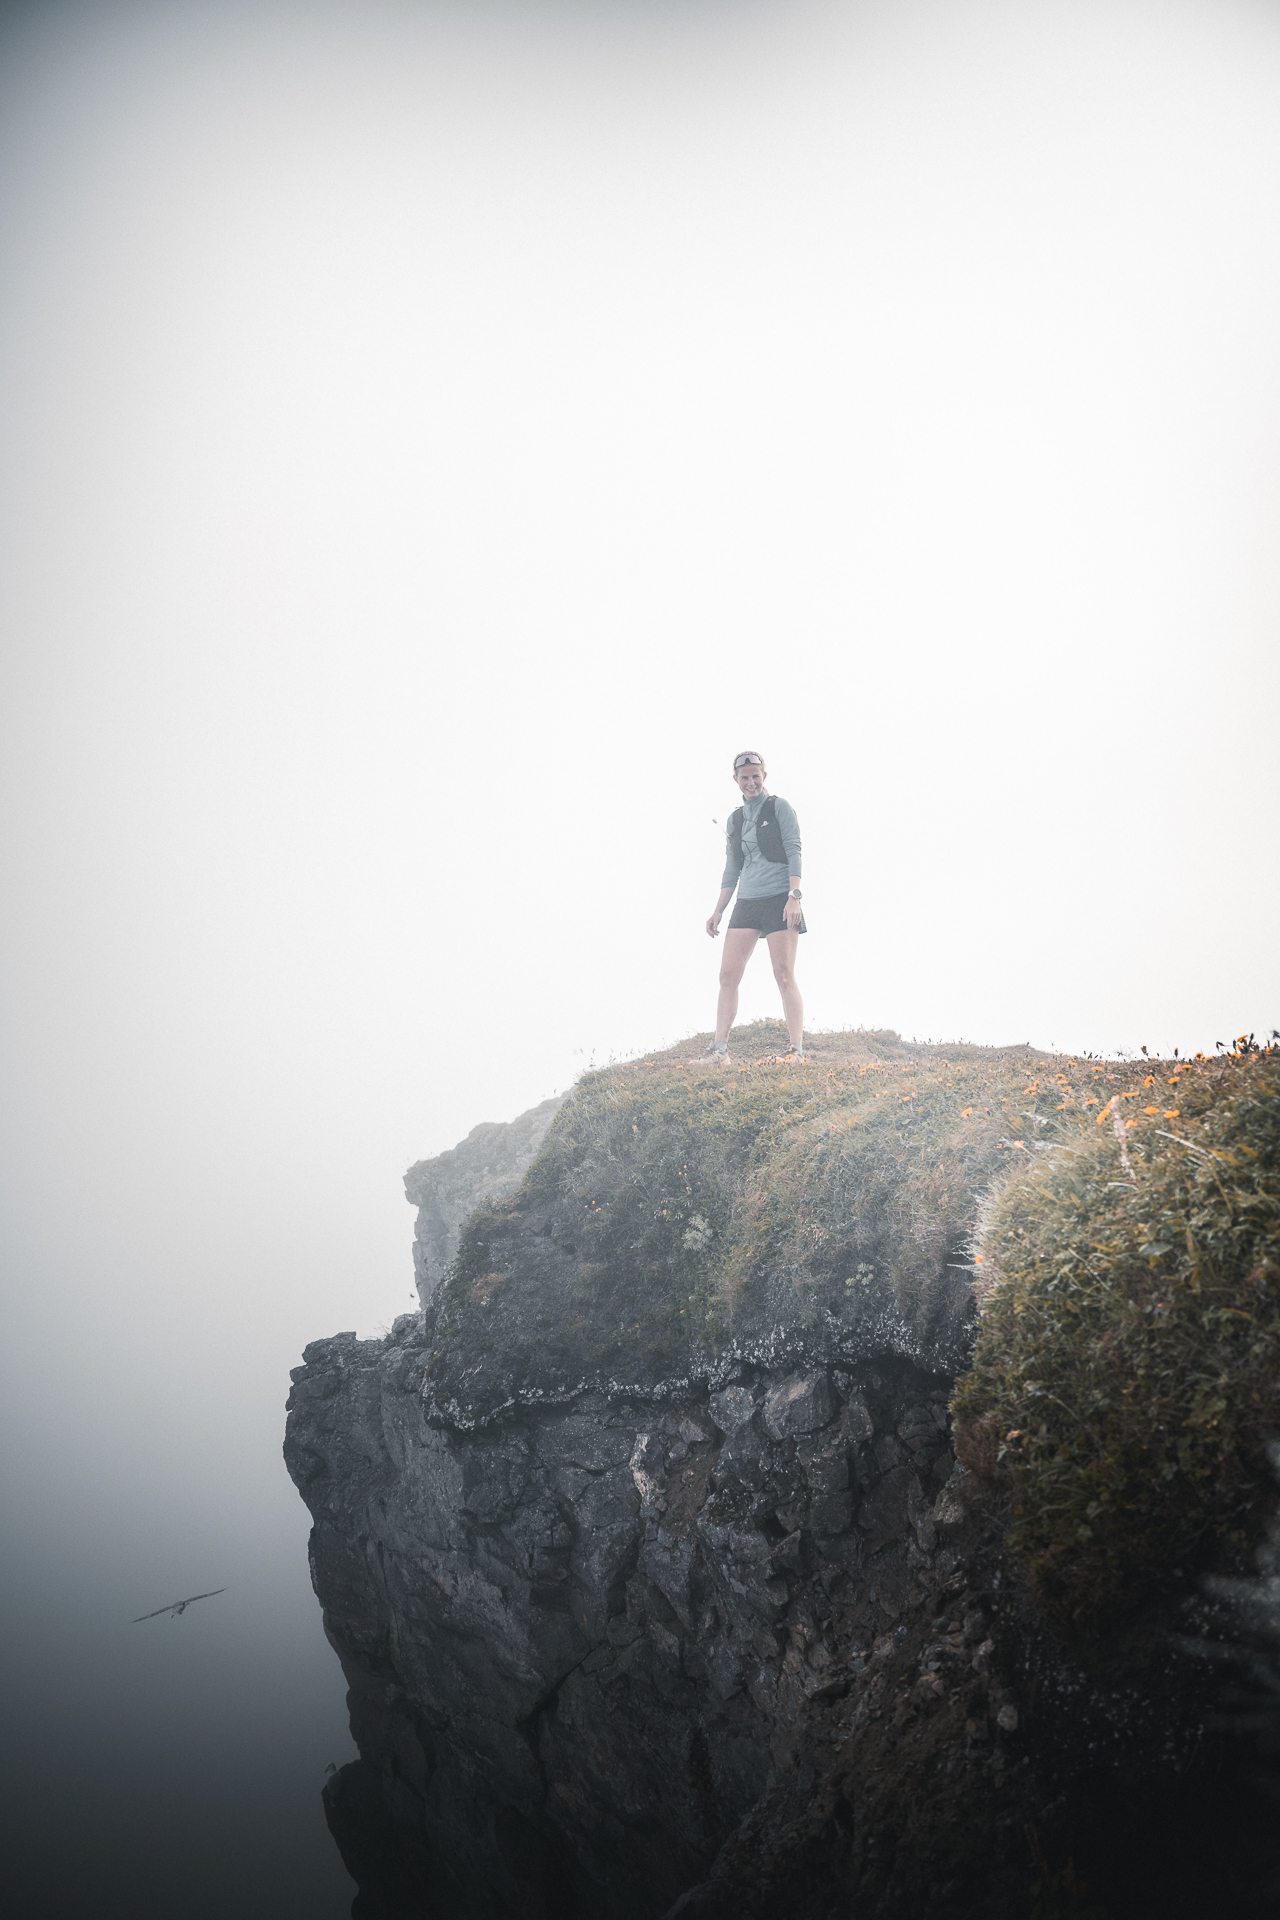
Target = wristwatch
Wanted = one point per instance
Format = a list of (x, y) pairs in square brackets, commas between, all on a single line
[(795, 894)]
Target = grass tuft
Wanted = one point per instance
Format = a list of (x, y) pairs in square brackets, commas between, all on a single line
[(1127, 1365)]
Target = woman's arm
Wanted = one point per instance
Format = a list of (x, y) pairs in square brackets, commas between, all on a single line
[(728, 879), (789, 828), (726, 895)]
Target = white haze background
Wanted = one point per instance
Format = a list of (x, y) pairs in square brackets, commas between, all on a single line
[(434, 440)]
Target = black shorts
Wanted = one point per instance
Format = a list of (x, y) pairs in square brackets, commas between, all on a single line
[(766, 916)]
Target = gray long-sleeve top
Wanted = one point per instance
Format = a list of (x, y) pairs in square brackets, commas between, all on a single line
[(757, 877)]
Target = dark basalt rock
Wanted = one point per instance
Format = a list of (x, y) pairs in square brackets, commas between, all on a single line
[(737, 1644)]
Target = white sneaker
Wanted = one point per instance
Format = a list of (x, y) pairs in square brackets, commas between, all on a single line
[(716, 1054)]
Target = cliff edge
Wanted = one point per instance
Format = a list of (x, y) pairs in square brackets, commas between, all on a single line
[(446, 1190), (657, 1582)]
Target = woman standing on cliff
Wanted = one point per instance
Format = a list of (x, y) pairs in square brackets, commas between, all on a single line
[(762, 860)]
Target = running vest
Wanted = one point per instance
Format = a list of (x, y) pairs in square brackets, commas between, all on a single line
[(768, 833)]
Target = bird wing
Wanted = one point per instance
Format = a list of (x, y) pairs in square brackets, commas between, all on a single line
[(176, 1603)]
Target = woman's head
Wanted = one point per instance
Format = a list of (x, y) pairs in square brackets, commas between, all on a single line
[(749, 773)]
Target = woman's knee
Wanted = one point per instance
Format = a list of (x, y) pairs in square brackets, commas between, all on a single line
[(783, 974), (731, 974)]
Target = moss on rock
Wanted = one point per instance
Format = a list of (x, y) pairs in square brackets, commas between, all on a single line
[(680, 1213)]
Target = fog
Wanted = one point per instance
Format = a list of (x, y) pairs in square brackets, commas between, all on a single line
[(435, 439)]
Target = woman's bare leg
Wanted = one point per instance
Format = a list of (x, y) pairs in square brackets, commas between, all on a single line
[(782, 952), (739, 945)]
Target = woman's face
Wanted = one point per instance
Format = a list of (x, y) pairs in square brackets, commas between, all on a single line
[(750, 781)]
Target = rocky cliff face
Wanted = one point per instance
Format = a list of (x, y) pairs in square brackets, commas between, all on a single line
[(490, 1162), (584, 1643), (736, 1637)]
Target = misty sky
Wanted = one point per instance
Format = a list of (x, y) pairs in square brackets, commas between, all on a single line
[(434, 439)]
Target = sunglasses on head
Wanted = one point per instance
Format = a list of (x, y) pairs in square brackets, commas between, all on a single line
[(747, 760)]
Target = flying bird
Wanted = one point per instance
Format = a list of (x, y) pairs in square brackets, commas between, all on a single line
[(176, 1607)]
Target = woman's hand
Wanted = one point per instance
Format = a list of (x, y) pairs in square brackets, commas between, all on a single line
[(713, 924), (791, 914)]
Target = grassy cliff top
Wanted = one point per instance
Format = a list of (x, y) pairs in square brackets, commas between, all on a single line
[(683, 1218)]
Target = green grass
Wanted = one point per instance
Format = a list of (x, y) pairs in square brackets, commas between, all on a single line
[(695, 1203), (1127, 1363)]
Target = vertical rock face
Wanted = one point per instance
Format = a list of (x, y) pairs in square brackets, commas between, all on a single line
[(490, 1162), (584, 1642)]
